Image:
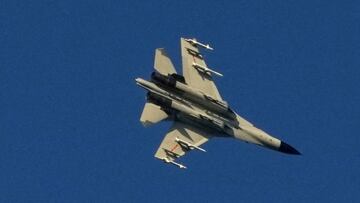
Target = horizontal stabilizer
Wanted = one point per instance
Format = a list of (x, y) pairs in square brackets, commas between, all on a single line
[(152, 114), (163, 63)]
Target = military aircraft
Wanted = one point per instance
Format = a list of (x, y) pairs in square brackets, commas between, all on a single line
[(195, 106)]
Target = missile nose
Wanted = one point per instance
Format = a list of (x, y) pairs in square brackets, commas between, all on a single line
[(139, 81), (286, 148)]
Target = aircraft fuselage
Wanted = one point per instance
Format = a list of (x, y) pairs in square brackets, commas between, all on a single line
[(192, 106)]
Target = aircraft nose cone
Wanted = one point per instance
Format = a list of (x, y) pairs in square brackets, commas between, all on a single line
[(286, 148)]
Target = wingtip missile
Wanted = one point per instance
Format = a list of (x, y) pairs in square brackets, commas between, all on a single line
[(194, 42), (216, 73), (166, 160), (182, 166), (207, 46)]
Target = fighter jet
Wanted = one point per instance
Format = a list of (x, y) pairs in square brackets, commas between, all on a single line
[(192, 102)]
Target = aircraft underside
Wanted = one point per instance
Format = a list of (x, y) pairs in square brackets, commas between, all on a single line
[(195, 106)]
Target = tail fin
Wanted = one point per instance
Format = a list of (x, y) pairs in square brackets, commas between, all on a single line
[(152, 114), (163, 63)]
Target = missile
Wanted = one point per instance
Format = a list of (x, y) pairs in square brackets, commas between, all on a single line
[(206, 69), (191, 146), (196, 43), (166, 160)]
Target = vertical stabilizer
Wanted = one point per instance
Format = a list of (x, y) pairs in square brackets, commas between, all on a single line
[(162, 63), (152, 114)]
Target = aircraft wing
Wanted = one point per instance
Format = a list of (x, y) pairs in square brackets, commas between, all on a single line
[(193, 75), (180, 139)]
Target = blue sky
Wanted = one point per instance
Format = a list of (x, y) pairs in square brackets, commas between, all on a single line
[(69, 106)]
